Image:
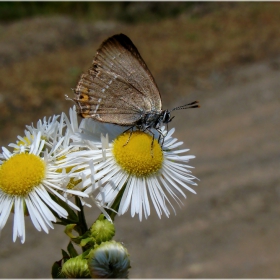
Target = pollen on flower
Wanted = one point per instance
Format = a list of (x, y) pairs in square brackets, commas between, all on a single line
[(138, 156), (21, 173)]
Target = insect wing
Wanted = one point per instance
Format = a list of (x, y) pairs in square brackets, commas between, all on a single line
[(118, 87)]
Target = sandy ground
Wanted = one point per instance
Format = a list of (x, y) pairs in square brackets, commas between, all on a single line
[(231, 228)]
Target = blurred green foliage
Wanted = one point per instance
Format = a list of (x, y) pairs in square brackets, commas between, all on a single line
[(124, 11)]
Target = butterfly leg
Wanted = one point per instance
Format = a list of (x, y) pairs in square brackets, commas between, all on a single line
[(161, 136), (152, 143), (131, 130)]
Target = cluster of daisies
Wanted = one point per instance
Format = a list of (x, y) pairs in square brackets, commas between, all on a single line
[(61, 158)]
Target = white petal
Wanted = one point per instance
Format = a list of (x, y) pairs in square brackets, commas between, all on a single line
[(19, 225), (32, 213), (126, 198), (6, 205)]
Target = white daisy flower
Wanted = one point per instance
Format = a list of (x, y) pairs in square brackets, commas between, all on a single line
[(51, 132), (77, 177), (27, 179), (147, 170)]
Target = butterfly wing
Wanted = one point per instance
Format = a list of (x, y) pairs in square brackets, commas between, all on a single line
[(119, 87)]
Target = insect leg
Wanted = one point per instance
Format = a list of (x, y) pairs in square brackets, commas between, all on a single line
[(161, 135), (131, 130), (152, 144)]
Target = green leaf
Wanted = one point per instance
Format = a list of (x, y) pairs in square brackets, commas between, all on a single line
[(72, 216), (68, 230), (65, 255), (56, 270), (86, 254), (85, 241), (72, 251), (82, 224), (116, 203)]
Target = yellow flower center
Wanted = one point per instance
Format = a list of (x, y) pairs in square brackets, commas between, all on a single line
[(73, 182), (22, 143), (21, 173), (138, 154)]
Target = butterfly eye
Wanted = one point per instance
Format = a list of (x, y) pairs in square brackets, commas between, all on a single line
[(166, 117)]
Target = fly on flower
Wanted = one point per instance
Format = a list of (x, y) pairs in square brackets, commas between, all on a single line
[(120, 89)]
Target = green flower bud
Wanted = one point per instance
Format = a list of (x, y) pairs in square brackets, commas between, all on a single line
[(102, 230), (109, 260), (76, 268)]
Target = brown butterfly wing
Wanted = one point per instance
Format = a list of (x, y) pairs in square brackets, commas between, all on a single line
[(119, 87)]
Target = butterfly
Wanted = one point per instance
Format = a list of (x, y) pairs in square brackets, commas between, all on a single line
[(119, 89)]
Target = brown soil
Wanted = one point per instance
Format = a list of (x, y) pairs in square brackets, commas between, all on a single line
[(229, 59)]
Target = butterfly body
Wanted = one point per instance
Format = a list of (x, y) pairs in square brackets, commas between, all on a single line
[(153, 119), (119, 88)]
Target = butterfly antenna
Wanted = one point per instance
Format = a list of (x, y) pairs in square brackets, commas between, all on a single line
[(69, 98), (193, 104)]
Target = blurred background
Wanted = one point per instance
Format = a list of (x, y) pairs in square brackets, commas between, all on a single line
[(227, 56)]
